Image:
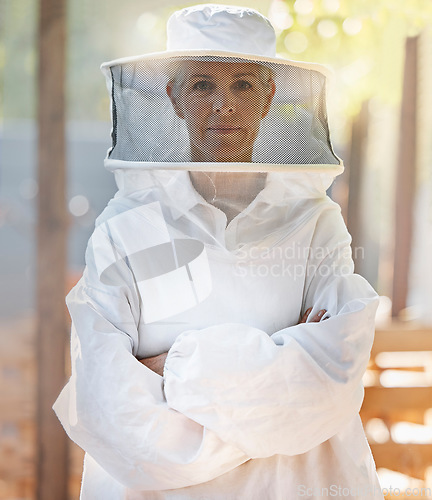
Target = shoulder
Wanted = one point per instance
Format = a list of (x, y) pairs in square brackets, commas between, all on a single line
[(330, 228)]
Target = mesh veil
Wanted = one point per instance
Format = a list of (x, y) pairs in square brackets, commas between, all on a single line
[(147, 129)]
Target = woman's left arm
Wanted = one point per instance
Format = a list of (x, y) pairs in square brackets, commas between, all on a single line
[(157, 363), (288, 392)]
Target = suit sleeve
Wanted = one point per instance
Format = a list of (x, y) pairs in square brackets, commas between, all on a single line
[(288, 392), (113, 406)]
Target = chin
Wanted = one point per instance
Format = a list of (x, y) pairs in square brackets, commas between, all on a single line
[(229, 156)]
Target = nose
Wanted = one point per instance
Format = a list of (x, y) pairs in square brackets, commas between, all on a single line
[(224, 103)]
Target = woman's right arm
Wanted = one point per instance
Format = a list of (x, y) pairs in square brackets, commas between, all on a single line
[(114, 407)]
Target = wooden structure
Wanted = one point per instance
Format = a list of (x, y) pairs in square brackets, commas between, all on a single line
[(355, 167), (406, 177), (52, 335), (398, 404)]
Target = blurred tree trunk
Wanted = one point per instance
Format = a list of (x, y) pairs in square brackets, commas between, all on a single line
[(356, 167), (52, 449), (406, 178)]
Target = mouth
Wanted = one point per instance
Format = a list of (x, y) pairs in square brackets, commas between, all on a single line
[(224, 129)]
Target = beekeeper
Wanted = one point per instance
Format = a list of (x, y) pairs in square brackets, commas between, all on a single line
[(202, 366)]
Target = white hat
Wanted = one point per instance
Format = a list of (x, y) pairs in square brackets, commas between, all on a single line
[(221, 28), (148, 133)]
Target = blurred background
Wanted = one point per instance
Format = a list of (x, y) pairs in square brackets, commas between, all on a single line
[(379, 105)]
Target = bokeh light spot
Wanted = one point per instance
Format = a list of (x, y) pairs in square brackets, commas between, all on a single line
[(296, 42), (280, 16), (79, 205), (331, 5), (352, 26), (377, 430), (303, 7), (327, 28)]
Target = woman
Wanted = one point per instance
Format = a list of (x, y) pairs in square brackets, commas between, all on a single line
[(214, 265)]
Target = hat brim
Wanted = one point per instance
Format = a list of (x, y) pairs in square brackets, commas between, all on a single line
[(274, 61), (322, 168)]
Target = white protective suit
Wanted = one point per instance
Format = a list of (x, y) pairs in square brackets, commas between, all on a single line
[(252, 404)]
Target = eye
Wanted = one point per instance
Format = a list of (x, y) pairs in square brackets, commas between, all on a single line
[(202, 86), (243, 85)]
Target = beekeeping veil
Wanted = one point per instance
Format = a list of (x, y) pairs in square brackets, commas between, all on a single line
[(149, 132)]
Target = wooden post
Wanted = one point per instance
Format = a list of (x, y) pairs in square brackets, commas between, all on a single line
[(356, 164), (406, 178), (52, 447)]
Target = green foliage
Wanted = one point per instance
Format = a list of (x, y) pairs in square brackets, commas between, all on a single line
[(363, 41)]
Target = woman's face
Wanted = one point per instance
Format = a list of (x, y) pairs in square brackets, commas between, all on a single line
[(222, 104)]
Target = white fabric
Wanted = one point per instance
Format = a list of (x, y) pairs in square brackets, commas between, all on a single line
[(252, 404), (221, 27)]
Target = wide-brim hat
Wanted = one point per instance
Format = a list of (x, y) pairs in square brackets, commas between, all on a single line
[(213, 32), (220, 31)]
